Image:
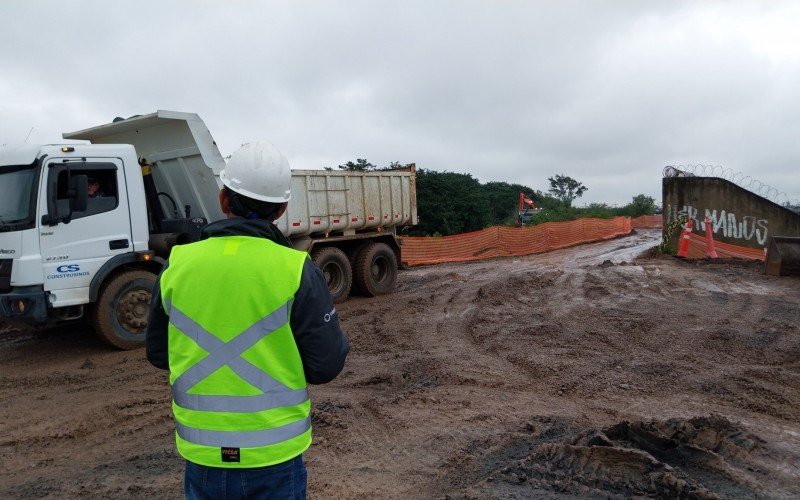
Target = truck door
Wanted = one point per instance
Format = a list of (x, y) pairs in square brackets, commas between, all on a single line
[(72, 252)]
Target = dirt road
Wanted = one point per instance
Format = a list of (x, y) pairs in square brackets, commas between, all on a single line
[(586, 371)]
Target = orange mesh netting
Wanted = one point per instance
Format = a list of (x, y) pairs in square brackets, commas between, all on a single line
[(648, 221), (501, 241), (698, 249)]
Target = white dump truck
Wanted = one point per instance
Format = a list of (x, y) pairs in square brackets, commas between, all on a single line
[(86, 227)]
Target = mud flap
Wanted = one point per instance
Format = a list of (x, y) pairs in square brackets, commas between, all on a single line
[(783, 256)]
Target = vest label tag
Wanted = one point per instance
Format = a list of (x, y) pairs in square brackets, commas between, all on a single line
[(230, 454)]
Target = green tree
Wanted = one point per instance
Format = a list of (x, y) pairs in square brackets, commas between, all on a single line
[(360, 165), (503, 201), (641, 205), (450, 203), (565, 188), (545, 201)]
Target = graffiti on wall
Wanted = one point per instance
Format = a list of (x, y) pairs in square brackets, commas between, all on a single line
[(727, 224)]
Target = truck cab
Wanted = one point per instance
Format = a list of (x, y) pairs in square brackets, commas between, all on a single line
[(58, 243), (82, 236)]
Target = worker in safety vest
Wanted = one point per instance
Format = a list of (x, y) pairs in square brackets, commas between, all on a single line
[(243, 322)]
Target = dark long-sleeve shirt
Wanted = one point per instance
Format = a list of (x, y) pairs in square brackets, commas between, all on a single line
[(314, 322)]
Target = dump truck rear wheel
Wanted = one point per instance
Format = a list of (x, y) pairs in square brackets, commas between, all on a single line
[(336, 269), (122, 309), (375, 270), (353, 256)]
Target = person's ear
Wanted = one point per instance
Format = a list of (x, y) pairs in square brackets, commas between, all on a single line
[(282, 211), (224, 204)]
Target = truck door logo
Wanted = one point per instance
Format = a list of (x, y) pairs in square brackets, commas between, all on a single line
[(68, 271)]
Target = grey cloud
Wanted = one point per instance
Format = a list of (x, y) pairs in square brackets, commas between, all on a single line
[(517, 91)]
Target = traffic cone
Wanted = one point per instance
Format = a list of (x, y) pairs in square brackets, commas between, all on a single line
[(683, 245), (710, 249)]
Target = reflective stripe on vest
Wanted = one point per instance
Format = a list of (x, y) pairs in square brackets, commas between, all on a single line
[(243, 439), (229, 354)]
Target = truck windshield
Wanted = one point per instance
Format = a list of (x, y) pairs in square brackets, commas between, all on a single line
[(17, 205)]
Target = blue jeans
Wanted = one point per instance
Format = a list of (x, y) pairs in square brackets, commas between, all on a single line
[(281, 481)]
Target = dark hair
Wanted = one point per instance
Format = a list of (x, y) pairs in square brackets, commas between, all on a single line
[(244, 207)]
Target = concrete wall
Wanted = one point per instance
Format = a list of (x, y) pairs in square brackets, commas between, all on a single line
[(737, 215)]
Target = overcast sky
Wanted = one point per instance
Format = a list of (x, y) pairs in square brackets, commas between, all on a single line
[(607, 92)]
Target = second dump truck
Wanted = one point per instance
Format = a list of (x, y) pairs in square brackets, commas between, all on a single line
[(65, 255)]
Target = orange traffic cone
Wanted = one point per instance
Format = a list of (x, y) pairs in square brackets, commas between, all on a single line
[(683, 245), (710, 249)]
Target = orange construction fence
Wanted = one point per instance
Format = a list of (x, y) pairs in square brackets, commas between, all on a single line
[(698, 249), (501, 241), (647, 221)]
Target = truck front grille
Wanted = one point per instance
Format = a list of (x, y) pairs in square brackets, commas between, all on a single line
[(5, 275)]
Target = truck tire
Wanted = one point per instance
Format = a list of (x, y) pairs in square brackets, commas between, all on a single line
[(375, 270), (336, 269), (352, 255), (120, 315)]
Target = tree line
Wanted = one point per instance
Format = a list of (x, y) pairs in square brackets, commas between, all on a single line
[(452, 203)]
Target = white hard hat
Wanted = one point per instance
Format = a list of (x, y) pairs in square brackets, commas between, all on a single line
[(259, 171)]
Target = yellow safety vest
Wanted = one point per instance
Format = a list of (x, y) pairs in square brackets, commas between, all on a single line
[(239, 394)]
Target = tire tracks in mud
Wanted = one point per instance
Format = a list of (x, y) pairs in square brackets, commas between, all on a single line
[(701, 457)]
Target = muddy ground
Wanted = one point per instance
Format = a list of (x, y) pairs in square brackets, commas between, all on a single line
[(583, 372)]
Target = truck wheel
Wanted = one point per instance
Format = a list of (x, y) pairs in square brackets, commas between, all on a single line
[(375, 272), (120, 315), (337, 271), (353, 257)]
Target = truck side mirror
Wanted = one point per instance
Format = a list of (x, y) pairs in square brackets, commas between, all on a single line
[(78, 193), (78, 199)]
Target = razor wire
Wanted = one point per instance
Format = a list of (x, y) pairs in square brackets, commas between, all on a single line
[(740, 179)]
